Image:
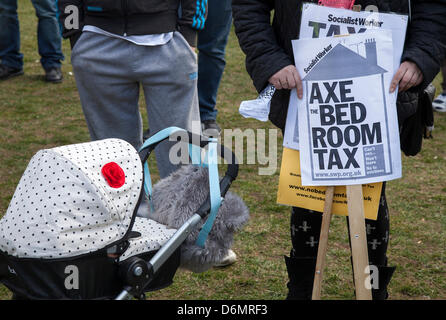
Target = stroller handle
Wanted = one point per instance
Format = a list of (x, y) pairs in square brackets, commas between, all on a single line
[(223, 152)]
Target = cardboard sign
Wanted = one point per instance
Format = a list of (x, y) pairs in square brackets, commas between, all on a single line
[(292, 193), (347, 123)]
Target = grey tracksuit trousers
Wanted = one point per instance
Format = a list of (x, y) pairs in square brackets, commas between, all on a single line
[(109, 73)]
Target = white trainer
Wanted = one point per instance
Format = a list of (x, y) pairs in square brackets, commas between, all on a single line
[(228, 259), (439, 104)]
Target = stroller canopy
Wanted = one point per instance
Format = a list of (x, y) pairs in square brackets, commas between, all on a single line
[(73, 200)]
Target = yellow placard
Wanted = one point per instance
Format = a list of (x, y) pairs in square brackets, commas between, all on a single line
[(291, 192)]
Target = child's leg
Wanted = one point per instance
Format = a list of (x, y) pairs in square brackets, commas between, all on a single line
[(305, 230)]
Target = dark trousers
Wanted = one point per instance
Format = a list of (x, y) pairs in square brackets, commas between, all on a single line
[(211, 57), (306, 226), (443, 73)]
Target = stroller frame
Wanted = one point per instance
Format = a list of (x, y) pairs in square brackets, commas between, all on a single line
[(139, 274)]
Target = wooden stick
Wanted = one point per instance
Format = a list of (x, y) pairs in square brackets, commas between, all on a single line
[(358, 240), (323, 244)]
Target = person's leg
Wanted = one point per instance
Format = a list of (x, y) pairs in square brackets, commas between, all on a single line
[(305, 227), (170, 88), (48, 34), (109, 95), (443, 73), (378, 232), (10, 55), (212, 42)]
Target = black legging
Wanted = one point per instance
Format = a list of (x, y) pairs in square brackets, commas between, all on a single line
[(306, 226)]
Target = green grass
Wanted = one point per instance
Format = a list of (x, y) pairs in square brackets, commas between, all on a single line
[(36, 115)]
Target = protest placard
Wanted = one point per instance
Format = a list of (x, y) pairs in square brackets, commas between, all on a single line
[(347, 124)]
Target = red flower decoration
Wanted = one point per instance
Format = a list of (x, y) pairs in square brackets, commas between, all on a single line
[(114, 174)]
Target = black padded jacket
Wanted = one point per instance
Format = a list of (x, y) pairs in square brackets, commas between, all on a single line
[(134, 17)]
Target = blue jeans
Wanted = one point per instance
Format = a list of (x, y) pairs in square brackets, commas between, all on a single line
[(211, 57), (48, 34)]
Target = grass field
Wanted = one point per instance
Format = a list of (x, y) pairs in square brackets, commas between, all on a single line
[(36, 115)]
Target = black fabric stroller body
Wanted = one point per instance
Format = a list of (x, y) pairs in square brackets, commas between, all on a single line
[(71, 229)]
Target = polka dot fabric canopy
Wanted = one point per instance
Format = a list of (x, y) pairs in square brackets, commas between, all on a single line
[(64, 206)]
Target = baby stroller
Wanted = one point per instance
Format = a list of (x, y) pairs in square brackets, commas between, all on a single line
[(71, 230)]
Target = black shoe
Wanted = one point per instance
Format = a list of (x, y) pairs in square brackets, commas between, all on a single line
[(210, 128), (8, 72), (53, 75)]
